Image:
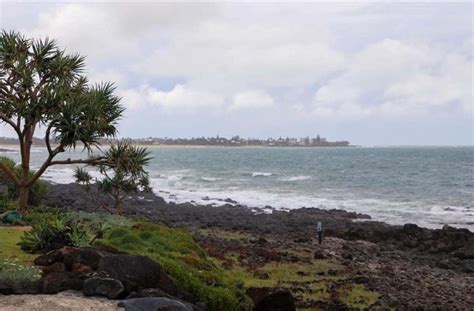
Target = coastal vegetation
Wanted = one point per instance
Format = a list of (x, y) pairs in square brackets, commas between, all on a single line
[(123, 173), (41, 85), (194, 269)]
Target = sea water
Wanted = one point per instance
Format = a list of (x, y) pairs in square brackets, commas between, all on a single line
[(429, 186)]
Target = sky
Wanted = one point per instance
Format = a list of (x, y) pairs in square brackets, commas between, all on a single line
[(373, 73)]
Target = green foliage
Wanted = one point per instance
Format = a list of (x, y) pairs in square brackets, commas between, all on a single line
[(183, 259), (8, 163), (357, 296), (37, 191), (14, 270), (53, 232), (122, 173), (42, 84), (6, 204)]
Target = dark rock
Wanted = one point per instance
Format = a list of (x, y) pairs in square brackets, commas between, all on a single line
[(302, 240), (148, 292), (135, 272), (271, 299), (465, 252), (319, 255), (55, 267), (154, 304), (469, 266), (56, 282), (229, 200), (106, 287), (81, 268), (361, 279), (48, 258), (85, 256), (9, 287)]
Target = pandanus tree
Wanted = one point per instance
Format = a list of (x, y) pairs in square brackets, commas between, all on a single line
[(42, 86), (123, 173)]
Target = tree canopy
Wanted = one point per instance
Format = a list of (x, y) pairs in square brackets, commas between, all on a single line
[(43, 86)]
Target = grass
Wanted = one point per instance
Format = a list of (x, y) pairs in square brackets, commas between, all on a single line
[(231, 235), (357, 296), (312, 280), (14, 263), (9, 238), (177, 252)]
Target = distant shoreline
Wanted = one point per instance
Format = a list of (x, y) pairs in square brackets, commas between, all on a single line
[(16, 147)]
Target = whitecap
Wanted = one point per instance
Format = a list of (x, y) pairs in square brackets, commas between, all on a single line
[(296, 178), (210, 179), (261, 174)]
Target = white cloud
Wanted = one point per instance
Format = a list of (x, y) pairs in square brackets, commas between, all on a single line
[(394, 77), (180, 99), (250, 100), (347, 61)]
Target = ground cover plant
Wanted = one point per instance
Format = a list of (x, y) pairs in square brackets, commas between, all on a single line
[(310, 280), (183, 259)]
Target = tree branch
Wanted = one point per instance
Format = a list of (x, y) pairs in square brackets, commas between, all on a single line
[(9, 173), (95, 160), (46, 138), (10, 122)]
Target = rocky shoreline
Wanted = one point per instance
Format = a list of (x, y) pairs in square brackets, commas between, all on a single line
[(409, 266)]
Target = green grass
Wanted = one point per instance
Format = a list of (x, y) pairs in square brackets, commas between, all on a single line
[(183, 259), (15, 264), (9, 238), (357, 296), (223, 234)]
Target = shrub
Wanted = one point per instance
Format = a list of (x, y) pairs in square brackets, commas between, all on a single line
[(6, 204), (13, 270), (53, 232)]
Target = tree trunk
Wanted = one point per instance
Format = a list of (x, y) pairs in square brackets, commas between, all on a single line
[(23, 199)]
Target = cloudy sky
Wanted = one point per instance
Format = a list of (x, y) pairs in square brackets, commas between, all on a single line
[(372, 73)]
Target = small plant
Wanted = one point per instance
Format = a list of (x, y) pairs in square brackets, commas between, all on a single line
[(122, 173), (99, 229), (54, 232), (13, 270)]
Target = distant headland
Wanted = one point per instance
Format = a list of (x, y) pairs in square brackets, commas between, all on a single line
[(235, 141)]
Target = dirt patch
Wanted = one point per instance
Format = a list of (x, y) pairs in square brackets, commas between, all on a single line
[(65, 301)]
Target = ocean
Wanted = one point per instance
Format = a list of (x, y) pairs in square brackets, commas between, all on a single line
[(429, 186)]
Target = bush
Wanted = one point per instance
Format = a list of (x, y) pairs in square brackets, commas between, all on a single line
[(52, 232), (14, 270), (6, 204), (37, 191)]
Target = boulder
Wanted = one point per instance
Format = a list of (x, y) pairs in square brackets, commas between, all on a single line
[(106, 287), (271, 299), (56, 282), (67, 268), (55, 267), (469, 266), (149, 292), (154, 304), (9, 287), (135, 272), (49, 258), (84, 256)]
